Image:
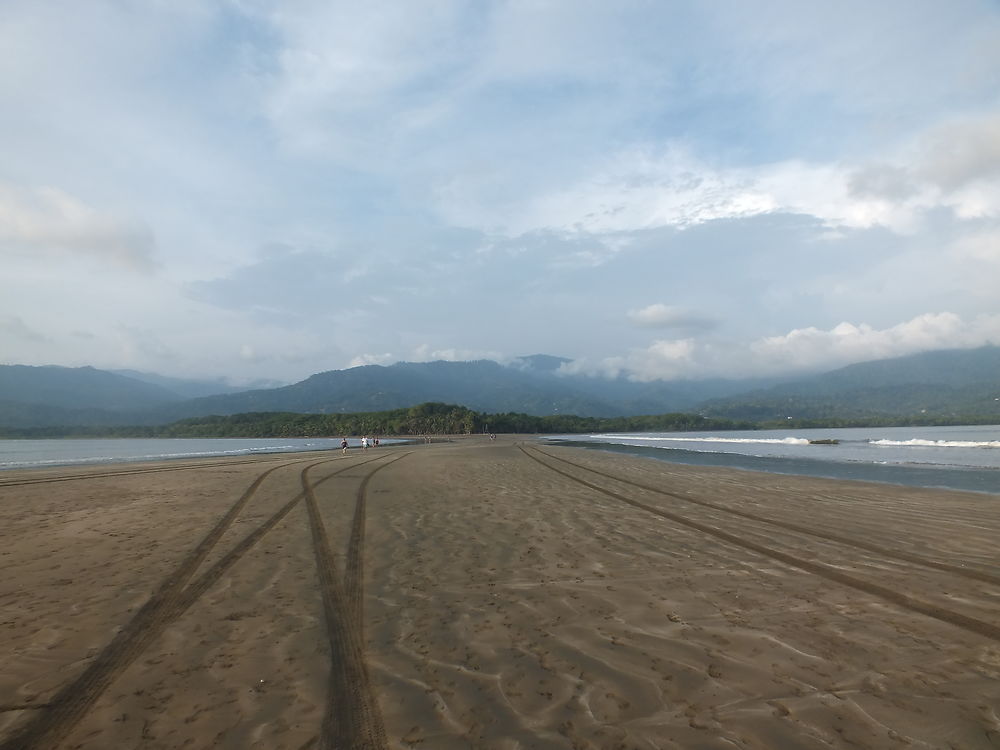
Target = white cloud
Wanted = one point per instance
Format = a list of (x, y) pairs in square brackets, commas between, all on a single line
[(675, 358), (372, 359), (335, 84), (983, 247), (810, 348), (954, 166), (659, 315), (427, 353), (961, 152), (644, 189), (798, 351), (664, 359), (49, 221), (780, 166), (114, 320)]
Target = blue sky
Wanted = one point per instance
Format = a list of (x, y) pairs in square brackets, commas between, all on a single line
[(251, 189)]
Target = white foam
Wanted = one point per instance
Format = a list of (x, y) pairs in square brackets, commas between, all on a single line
[(916, 442), (754, 441)]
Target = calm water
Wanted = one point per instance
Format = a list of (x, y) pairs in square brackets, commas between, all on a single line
[(33, 454), (963, 458)]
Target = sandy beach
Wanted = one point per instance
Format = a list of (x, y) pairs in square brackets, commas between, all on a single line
[(481, 594)]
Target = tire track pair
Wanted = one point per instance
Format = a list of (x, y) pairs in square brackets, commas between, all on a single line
[(20, 482), (901, 555), (353, 719), (979, 627), (170, 600)]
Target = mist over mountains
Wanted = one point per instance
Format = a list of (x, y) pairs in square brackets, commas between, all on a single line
[(946, 384)]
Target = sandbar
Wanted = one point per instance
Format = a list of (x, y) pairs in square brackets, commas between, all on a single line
[(492, 594)]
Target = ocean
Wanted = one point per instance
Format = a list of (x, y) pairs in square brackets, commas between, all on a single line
[(961, 458), (36, 454)]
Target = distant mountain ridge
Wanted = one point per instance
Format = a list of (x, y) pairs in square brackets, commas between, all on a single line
[(941, 383), (187, 388), (944, 383), (79, 388), (481, 385)]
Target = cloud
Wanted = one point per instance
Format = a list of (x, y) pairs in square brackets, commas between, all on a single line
[(982, 247), (48, 221), (321, 183), (427, 353), (810, 348), (14, 327), (953, 165), (648, 188), (800, 350), (675, 182), (659, 315), (372, 359), (961, 152), (882, 181), (344, 81)]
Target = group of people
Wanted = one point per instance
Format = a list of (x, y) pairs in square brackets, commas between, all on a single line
[(366, 443)]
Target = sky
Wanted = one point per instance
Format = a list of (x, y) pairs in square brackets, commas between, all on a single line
[(653, 189)]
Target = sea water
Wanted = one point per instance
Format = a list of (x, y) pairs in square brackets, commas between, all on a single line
[(962, 457), (34, 454)]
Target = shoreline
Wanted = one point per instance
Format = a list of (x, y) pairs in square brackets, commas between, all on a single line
[(113, 459), (978, 480), (490, 594), (970, 471)]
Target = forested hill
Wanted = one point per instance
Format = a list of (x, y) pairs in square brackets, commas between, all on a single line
[(481, 385), (531, 386), (958, 385), (79, 388), (423, 419), (951, 385)]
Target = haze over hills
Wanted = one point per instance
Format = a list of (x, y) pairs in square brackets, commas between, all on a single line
[(531, 385), (80, 387), (185, 388), (948, 383)]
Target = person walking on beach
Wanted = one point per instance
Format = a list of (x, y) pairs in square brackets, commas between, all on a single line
[(364, 442), (343, 445)]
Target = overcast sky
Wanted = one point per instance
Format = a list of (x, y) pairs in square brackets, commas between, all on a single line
[(257, 189)]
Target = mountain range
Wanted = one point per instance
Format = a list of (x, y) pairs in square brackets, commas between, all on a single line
[(946, 384)]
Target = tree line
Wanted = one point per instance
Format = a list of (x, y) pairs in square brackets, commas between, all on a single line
[(450, 419), (424, 419)]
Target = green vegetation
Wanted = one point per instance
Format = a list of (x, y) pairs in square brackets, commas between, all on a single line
[(942, 387), (423, 419), (449, 419), (901, 404), (920, 420)]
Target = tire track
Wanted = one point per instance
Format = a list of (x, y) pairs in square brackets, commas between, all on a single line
[(979, 627), (130, 472), (353, 719), (901, 555), (354, 565), (71, 702)]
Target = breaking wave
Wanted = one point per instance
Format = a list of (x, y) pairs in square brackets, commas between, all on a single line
[(916, 442), (757, 441)]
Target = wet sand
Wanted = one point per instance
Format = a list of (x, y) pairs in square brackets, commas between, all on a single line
[(481, 594)]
